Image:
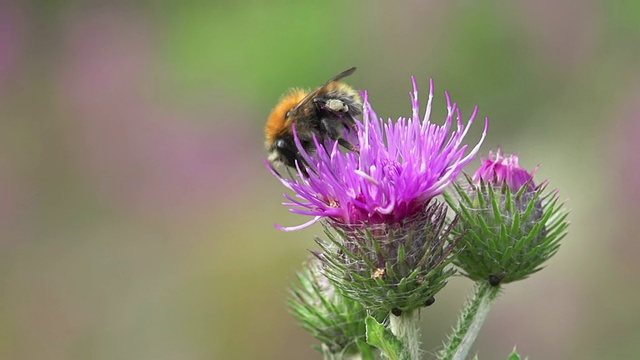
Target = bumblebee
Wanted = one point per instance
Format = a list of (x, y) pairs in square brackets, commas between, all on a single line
[(324, 113)]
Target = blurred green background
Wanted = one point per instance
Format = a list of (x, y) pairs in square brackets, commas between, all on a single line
[(136, 213)]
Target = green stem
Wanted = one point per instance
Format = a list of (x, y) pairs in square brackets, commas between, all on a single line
[(473, 316), (406, 328)]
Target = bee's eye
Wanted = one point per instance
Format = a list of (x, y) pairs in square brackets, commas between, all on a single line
[(281, 144), (287, 114)]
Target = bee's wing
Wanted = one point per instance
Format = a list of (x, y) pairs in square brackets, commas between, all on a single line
[(315, 92), (343, 74)]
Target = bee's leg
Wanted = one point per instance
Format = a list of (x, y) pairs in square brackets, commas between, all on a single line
[(276, 171), (338, 112), (289, 172), (304, 171), (303, 168), (349, 122), (347, 145), (329, 126), (303, 165)]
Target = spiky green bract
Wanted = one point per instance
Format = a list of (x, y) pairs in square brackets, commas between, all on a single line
[(337, 321), (514, 355), (506, 236), (390, 267)]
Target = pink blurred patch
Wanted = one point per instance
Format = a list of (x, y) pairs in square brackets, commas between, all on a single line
[(624, 181), (565, 31), (136, 152), (12, 38)]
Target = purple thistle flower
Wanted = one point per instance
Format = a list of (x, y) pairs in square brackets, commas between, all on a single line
[(504, 169), (398, 168)]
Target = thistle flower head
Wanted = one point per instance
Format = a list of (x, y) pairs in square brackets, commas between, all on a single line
[(389, 238), (509, 227), (398, 167)]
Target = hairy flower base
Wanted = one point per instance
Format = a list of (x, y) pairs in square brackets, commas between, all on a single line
[(390, 267), (506, 236)]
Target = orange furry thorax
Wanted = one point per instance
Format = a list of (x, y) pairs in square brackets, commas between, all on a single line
[(277, 123)]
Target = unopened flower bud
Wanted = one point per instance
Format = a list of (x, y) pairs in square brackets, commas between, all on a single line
[(509, 226)]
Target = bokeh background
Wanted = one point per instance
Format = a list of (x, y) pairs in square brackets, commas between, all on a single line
[(136, 214)]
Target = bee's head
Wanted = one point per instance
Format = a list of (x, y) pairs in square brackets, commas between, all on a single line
[(283, 152)]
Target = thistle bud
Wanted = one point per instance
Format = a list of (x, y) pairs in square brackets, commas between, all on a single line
[(508, 225)]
